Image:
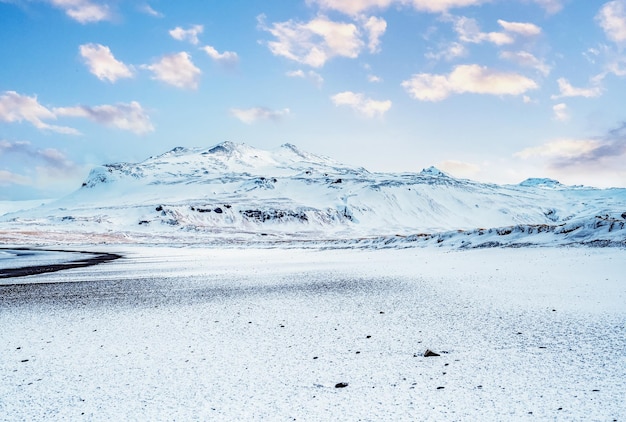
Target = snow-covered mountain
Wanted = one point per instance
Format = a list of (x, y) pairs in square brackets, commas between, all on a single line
[(237, 192)]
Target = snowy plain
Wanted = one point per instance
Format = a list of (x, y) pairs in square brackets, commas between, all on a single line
[(179, 333)]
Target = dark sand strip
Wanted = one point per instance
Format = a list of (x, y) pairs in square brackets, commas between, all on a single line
[(95, 259)]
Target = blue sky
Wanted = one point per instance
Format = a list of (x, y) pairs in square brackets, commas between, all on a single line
[(495, 91)]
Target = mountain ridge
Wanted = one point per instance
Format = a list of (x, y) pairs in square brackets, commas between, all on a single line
[(235, 190)]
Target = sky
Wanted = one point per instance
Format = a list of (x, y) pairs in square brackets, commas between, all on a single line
[(490, 90)]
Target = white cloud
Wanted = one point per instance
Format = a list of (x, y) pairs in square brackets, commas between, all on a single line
[(357, 7), (15, 107), (603, 153), (311, 75), (8, 178), (567, 90), (365, 106), (521, 28), (251, 115), (613, 59), (50, 156), (148, 10), (524, 58), (441, 6), (352, 7), (131, 117), (612, 19), (467, 79), (103, 64), (227, 58), (449, 52), (561, 149), (83, 11), (177, 70), (551, 6), (560, 112), (469, 31), (459, 168), (374, 78), (375, 28), (313, 43), (190, 34)]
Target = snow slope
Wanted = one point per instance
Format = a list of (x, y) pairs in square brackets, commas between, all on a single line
[(240, 193)]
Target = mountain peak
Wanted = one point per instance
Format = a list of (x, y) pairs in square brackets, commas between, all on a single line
[(433, 171), (223, 148), (174, 151), (539, 182)]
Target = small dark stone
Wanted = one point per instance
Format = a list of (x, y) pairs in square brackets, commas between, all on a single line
[(358, 352), (595, 390), (218, 210), (24, 360), (430, 353), (341, 385), (381, 312), (368, 336), (440, 388), (314, 357), (159, 208)]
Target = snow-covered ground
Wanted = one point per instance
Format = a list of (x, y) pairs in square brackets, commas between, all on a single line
[(266, 334)]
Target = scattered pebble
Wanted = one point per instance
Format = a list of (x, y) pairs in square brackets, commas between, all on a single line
[(341, 385), (429, 353)]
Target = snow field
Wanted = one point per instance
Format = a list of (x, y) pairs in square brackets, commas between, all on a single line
[(210, 334)]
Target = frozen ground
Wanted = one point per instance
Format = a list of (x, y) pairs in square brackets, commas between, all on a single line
[(248, 334)]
